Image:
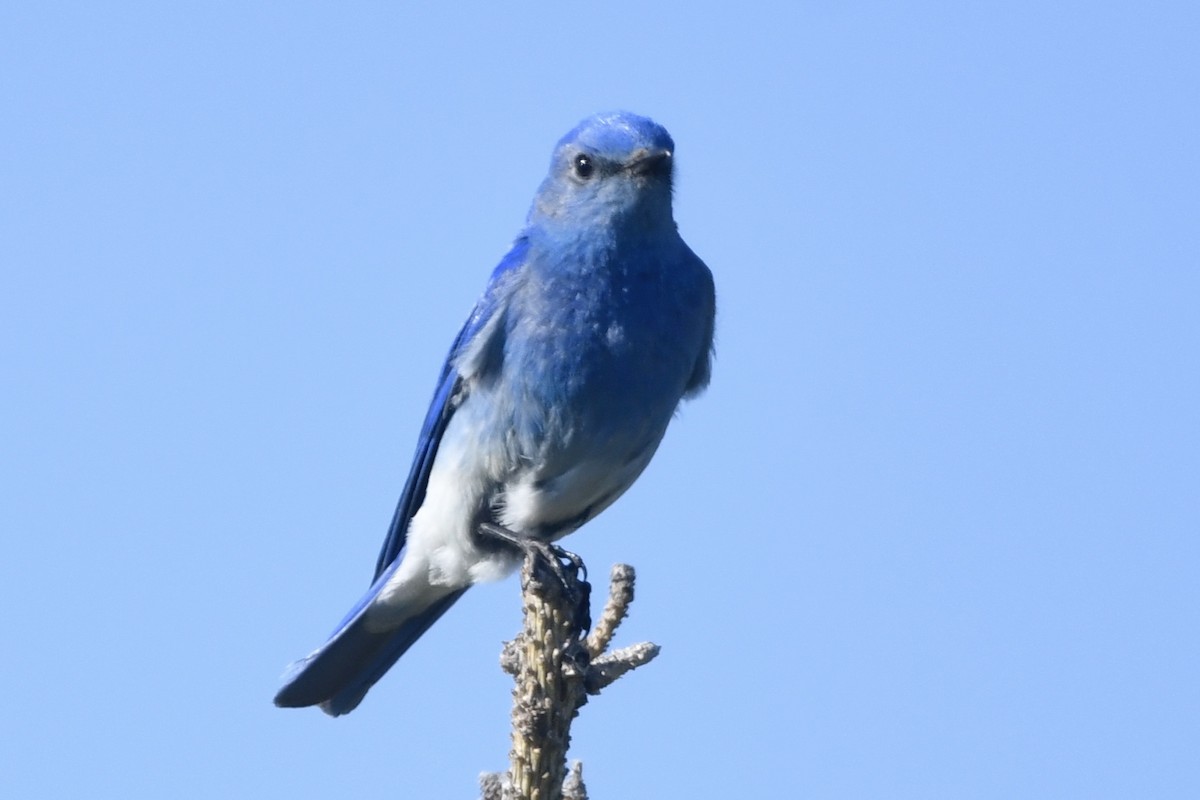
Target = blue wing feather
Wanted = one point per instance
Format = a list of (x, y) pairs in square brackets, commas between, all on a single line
[(338, 675), (441, 409)]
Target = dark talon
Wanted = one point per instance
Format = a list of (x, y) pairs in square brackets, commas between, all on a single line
[(550, 552), (552, 556), (563, 554)]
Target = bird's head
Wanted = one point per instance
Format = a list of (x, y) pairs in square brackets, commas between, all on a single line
[(614, 167)]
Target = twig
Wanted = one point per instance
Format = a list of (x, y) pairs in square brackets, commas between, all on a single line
[(555, 665)]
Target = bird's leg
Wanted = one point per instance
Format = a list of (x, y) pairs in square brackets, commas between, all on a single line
[(552, 553), (571, 576)]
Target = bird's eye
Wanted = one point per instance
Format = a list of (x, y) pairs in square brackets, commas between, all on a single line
[(584, 166)]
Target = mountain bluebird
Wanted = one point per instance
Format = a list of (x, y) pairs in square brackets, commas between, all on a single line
[(552, 400)]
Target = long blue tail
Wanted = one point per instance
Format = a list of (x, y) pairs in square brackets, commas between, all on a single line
[(338, 675)]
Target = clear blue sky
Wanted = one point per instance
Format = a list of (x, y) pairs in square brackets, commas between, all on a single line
[(932, 533)]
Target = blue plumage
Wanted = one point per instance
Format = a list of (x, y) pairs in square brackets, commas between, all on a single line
[(553, 398)]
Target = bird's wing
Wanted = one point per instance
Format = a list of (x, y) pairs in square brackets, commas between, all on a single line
[(479, 342), (339, 673)]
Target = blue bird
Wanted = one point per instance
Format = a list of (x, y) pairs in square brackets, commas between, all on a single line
[(552, 400)]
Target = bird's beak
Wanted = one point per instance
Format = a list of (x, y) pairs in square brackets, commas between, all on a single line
[(650, 161)]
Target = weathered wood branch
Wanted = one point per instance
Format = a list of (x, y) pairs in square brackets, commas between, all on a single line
[(556, 664)]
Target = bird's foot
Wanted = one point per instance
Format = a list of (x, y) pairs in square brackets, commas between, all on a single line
[(554, 555), (566, 567)]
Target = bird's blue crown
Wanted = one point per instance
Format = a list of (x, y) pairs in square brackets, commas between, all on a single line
[(617, 133)]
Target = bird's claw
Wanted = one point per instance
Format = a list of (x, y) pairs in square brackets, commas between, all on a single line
[(571, 575)]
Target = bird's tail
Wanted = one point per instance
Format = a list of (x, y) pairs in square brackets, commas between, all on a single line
[(337, 676)]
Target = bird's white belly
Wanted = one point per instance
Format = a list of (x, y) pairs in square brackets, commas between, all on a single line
[(443, 553)]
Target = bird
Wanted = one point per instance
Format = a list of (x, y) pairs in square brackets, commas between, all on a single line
[(552, 400)]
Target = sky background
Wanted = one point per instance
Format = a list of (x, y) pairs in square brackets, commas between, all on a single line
[(932, 532)]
